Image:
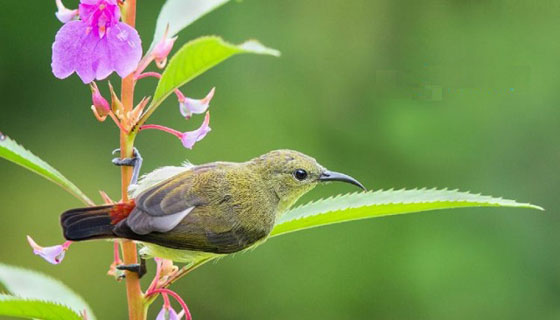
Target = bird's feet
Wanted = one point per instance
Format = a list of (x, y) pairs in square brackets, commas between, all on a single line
[(139, 268), (135, 162)]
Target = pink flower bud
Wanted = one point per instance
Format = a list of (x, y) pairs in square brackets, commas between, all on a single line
[(167, 313), (99, 103), (64, 14), (53, 254), (161, 51), (189, 138), (188, 106)]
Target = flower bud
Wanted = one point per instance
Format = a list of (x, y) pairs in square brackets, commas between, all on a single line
[(64, 14), (162, 49), (99, 104)]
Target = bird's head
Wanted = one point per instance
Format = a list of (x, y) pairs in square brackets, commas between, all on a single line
[(291, 174)]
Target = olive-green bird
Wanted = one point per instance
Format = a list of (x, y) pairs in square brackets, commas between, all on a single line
[(192, 213)]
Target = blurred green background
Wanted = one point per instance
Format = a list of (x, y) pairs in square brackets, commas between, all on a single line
[(459, 94)]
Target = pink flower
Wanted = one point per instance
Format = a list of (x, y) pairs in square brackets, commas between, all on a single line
[(53, 254), (64, 14), (188, 138), (188, 106), (96, 45), (167, 313)]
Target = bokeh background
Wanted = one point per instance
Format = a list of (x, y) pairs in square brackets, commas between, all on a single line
[(400, 94)]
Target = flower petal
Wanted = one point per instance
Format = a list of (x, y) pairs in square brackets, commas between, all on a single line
[(53, 254), (167, 314), (90, 11), (101, 55), (66, 48), (189, 138), (90, 56), (189, 106), (125, 48)]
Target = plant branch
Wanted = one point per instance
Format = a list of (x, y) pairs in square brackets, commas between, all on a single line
[(136, 310)]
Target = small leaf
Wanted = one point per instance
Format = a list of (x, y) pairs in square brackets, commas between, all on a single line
[(196, 57), (33, 285), (35, 309), (178, 14), (365, 205), (10, 150)]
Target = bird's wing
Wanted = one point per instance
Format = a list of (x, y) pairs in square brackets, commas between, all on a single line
[(170, 196), (163, 206)]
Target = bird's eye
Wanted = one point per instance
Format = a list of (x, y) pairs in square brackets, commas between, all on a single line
[(300, 174)]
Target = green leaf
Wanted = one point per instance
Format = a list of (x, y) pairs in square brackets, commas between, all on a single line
[(37, 286), (196, 57), (178, 14), (365, 205), (35, 309), (10, 150)]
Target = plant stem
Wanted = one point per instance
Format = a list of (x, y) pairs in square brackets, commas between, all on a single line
[(136, 310), (174, 132), (177, 297)]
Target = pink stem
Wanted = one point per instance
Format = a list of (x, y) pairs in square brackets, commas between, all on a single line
[(180, 95), (66, 244), (144, 63), (166, 302), (148, 74), (176, 296), (162, 128), (156, 277), (116, 255)]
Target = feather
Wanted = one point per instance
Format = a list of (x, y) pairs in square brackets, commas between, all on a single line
[(142, 223)]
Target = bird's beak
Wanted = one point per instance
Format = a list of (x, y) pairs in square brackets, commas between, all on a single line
[(335, 176)]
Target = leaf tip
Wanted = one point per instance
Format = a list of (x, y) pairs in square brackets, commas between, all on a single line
[(256, 47), (534, 206)]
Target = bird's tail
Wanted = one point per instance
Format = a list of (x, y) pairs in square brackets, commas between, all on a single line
[(88, 223)]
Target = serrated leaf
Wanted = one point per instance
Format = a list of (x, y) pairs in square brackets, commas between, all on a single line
[(37, 286), (365, 205), (12, 151), (178, 14), (35, 309), (196, 57)]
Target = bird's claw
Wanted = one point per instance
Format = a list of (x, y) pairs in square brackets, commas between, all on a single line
[(135, 162), (127, 161), (139, 268)]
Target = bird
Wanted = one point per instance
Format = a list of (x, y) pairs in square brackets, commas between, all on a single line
[(191, 213)]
